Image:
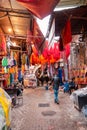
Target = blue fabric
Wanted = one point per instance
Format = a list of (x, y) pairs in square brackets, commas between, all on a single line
[(11, 78), (60, 73), (19, 75), (61, 83)]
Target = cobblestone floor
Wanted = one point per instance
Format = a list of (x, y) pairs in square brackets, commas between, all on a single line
[(30, 115)]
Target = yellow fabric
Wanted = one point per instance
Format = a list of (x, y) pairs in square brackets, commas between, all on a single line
[(23, 68), (5, 105), (15, 56), (23, 59), (8, 79)]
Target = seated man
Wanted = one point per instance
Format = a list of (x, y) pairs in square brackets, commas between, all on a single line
[(72, 85), (66, 86)]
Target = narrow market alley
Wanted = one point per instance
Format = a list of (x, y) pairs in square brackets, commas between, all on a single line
[(39, 112)]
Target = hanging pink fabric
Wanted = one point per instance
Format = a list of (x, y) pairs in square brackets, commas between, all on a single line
[(39, 8), (53, 53)]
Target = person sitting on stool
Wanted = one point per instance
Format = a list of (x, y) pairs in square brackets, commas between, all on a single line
[(72, 85)]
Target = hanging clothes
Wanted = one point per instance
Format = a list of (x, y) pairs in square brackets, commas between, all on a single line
[(19, 75), (60, 73), (19, 60), (27, 61), (4, 62), (24, 59), (10, 78)]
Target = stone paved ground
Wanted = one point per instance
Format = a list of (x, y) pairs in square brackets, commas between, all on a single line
[(30, 117)]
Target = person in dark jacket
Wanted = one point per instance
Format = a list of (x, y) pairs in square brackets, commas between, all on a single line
[(56, 82)]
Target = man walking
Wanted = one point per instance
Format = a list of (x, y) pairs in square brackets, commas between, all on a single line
[(56, 82)]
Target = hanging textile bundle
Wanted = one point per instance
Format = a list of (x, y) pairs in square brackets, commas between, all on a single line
[(61, 47), (66, 33), (4, 62)]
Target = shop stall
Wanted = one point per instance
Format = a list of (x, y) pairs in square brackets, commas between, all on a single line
[(77, 61), (30, 79)]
